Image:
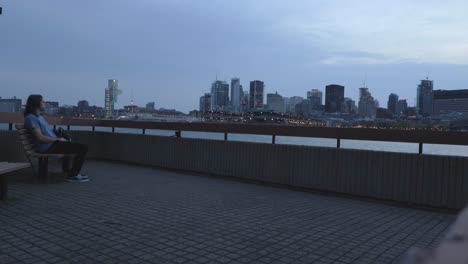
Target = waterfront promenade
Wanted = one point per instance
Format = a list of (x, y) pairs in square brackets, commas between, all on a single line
[(139, 214)]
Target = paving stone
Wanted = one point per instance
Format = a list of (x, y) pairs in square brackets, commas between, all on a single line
[(136, 214)]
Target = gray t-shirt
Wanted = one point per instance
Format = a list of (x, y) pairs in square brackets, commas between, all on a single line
[(32, 122)]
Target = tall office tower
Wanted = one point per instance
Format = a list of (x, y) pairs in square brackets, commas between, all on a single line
[(367, 105), (291, 102), (316, 96), (244, 104), (392, 103), (334, 98), (350, 106), (219, 96), (205, 103), (257, 88), (150, 106), (83, 107), (236, 94), (275, 102), (112, 91), (402, 107), (453, 101), (425, 97)]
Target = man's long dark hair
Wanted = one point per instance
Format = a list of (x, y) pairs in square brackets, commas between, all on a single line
[(33, 104)]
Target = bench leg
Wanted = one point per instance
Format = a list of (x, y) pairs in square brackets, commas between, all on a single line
[(43, 168), (3, 187)]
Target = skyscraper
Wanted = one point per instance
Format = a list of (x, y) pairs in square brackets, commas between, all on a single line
[(244, 104), (453, 101), (256, 94), (150, 106), (112, 91), (392, 103), (205, 103), (236, 94), (425, 97), (290, 103), (402, 107), (315, 96), (367, 105), (334, 98), (275, 102), (219, 96), (350, 106)]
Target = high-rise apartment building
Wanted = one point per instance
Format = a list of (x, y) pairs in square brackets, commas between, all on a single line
[(112, 91), (257, 89), (425, 97), (334, 98), (219, 96)]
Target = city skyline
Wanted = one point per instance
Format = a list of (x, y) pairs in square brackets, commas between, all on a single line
[(162, 50), (227, 90)]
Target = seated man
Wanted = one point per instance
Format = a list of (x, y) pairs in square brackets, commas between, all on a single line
[(47, 142)]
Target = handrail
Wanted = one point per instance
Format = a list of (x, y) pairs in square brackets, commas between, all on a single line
[(389, 135)]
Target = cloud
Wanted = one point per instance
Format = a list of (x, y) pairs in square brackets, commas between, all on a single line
[(415, 31)]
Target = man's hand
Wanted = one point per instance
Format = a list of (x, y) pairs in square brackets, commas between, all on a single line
[(62, 139)]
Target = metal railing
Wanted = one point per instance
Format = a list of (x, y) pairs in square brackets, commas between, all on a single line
[(387, 135)]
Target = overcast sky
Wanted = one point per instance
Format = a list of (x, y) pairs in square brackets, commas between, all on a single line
[(171, 51)]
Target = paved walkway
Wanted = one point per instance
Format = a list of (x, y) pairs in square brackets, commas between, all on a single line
[(134, 214)]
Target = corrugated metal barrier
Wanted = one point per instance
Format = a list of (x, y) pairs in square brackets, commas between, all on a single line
[(439, 181)]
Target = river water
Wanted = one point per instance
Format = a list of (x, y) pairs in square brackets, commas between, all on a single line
[(321, 142)]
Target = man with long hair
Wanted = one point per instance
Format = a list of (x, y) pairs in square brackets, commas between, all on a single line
[(48, 142)]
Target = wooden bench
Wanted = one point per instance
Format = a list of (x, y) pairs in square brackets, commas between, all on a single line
[(6, 167), (26, 139)]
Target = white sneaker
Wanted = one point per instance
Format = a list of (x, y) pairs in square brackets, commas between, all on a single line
[(82, 176), (76, 179)]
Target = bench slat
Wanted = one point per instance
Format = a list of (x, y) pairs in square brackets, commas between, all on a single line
[(9, 167)]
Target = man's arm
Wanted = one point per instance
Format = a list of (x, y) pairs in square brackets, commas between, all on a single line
[(44, 139)]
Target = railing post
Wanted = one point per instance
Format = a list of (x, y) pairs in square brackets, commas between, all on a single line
[(94, 128), (55, 126), (225, 136), (144, 131), (420, 148), (178, 133), (338, 143), (113, 129), (10, 126), (273, 139)]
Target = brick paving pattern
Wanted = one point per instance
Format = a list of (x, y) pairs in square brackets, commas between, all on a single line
[(135, 214)]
